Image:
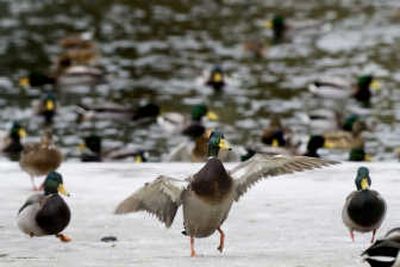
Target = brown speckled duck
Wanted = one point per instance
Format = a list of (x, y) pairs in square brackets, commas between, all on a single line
[(38, 159), (208, 195)]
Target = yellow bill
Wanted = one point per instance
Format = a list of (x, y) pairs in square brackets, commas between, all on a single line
[(217, 77), (62, 190), (49, 105), (268, 24), (22, 133), (375, 85), (212, 116), (223, 144), (364, 183), (24, 82)]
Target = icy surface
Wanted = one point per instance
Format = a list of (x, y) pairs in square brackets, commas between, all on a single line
[(291, 220)]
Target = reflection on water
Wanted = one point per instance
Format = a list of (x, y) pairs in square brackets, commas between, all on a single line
[(157, 51)]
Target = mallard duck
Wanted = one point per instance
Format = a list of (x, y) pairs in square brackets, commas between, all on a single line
[(364, 209), (141, 113), (344, 139), (384, 252), (47, 107), (39, 159), (91, 151), (196, 150), (216, 78), (46, 213), (190, 126), (75, 65), (208, 195), (339, 89), (11, 144), (255, 48), (278, 26), (314, 143)]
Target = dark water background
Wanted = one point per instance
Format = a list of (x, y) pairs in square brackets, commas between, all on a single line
[(157, 50)]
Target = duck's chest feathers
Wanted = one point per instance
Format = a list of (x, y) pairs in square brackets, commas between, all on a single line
[(54, 215), (366, 208), (212, 183)]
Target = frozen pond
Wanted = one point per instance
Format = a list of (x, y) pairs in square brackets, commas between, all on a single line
[(291, 220)]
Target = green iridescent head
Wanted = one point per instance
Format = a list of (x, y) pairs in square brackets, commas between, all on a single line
[(216, 142), (54, 184), (278, 26), (201, 110), (364, 81), (363, 181), (17, 131)]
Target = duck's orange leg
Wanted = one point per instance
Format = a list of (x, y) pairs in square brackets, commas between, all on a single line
[(221, 239), (192, 251), (352, 235), (63, 238)]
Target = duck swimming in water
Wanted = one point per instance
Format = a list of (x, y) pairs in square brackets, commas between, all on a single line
[(362, 91), (208, 195)]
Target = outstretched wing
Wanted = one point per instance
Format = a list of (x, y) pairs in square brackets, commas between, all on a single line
[(162, 197), (259, 166)]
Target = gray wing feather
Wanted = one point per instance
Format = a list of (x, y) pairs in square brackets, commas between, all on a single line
[(162, 197), (259, 166), (37, 198)]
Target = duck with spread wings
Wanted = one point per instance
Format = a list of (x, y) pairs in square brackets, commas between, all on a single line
[(208, 195)]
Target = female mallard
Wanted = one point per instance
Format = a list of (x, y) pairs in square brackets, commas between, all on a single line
[(11, 144), (91, 151), (196, 149), (113, 111), (39, 159), (339, 89), (364, 209), (190, 126), (384, 252), (208, 195), (46, 213)]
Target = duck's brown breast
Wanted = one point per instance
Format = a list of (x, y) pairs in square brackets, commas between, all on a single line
[(212, 182)]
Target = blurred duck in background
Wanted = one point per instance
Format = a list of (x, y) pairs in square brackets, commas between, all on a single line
[(278, 139), (11, 142), (175, 122), (92, 151), (46, 107), (278, 26), (77, 64), (255, 48), (216, 78), (196, 150), (107, 111), (362, 91), (38, 159)]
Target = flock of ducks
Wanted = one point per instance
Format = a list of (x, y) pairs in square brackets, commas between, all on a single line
[(207, 196)]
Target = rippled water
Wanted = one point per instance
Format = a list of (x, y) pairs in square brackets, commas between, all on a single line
[(157, 50)]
